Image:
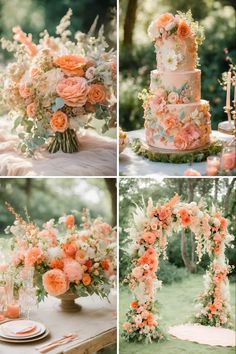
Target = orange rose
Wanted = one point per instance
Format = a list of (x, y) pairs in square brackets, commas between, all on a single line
[(185, 216), (74, 91), (71, 64), (105, 264), (34, 255), (57, 263), (183, 29), (134, 304), (31, 109), (164, 19), (59, 121), (97, 93), (86, 279)]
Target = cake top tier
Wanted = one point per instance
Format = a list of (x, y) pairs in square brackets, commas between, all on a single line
[(176, 40)]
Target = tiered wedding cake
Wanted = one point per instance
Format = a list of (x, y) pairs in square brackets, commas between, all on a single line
[(175, 116)]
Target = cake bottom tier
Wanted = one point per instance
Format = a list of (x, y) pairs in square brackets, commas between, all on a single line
[(177, 126)]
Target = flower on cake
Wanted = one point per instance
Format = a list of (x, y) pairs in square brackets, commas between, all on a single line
[(169, 59), (173, 97)]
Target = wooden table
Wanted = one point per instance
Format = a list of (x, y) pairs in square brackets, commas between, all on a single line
[(95, 323)]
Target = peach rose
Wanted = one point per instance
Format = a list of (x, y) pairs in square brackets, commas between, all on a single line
[(173, 97), (192, 172), (71, 64), (149, 237), (164, 213), (70, 221), (137, 272), (97, 93), (81, 256), (74, 91), (73, 270), (34, 73), (183, 29), (180, 141), (31, 109), (191, 131), (126, 326), (54, 282), (86, 279), (34, 255), (165, 19), (25, 91), (59, 122)]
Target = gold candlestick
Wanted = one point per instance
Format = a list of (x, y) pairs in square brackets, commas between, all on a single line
[(227, 126)]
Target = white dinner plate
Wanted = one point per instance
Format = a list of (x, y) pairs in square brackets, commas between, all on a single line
[(8, 329)]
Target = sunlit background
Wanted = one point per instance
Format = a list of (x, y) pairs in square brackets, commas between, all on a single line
[(44, 199), (137, 57)]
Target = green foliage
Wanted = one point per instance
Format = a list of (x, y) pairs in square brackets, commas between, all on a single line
[(169, 273), (52, 198), (213, 149)]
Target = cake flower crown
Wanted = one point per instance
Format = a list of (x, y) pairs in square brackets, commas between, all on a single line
[(182, 25)]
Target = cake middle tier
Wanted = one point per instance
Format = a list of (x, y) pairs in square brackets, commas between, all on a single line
[(178, 87), (177, 126)]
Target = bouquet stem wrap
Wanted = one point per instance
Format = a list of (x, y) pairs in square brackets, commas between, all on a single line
[(66, 141)]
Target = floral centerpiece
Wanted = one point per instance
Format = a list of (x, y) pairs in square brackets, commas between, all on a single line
[(57, 86), (65, 258)]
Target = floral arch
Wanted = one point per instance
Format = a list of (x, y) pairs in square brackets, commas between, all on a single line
[(152, 227)]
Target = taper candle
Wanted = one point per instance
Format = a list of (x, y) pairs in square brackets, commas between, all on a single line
[(228, 90)]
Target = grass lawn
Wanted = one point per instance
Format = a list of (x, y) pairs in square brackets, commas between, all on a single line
[(177, 306)]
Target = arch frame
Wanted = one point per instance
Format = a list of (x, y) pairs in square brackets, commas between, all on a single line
[(149, 234)]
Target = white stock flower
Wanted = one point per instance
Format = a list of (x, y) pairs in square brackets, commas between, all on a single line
[(54, 252)]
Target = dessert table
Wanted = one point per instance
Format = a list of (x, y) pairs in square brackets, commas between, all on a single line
[(133, 165), (95, 325), (97, 157)]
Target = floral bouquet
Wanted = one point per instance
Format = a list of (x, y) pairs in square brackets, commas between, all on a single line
[(58, 86), (65, 258)]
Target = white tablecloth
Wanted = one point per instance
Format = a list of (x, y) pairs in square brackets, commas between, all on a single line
[(97, 157), (96, 317), (133, 165)]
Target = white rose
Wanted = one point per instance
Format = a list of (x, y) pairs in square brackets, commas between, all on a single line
[(153, 31)]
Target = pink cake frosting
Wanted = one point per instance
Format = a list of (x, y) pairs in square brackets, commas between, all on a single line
[(175, 116)]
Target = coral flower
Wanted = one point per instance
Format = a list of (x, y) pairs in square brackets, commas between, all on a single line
[(57, 263), (184, 216), (149, 237), (126, 326), (183, 29), (25, 91), (134, 304), (59, 122), (86, 279), (34, 255), (31, 109), (181, 141), (71, 64), (97, 93), (70, 221), (105, 264), (54, 282), (191, 172), (81, 256)]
